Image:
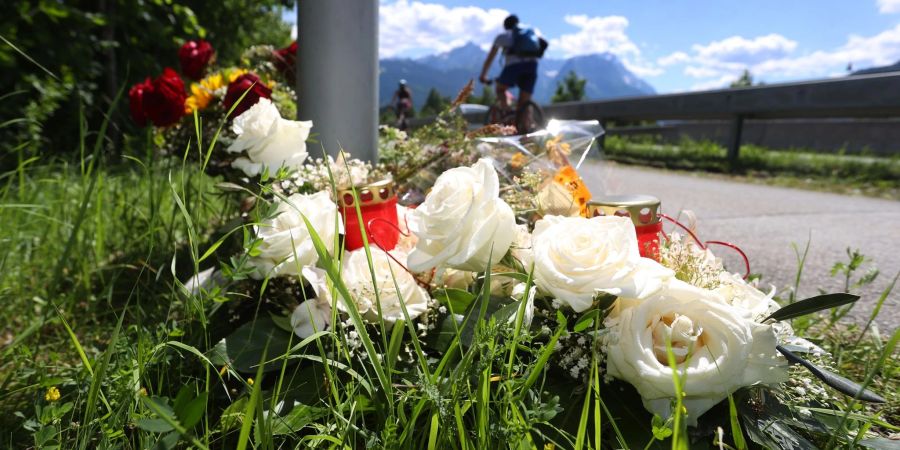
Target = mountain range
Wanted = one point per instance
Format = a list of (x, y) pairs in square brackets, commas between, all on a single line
[(448, 72)]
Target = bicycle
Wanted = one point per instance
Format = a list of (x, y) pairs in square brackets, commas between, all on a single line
[(526, 118)]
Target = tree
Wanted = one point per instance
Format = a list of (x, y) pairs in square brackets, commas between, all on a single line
[(86, 50), (434, 103), (570, 89), (746, 80), (487, 97)]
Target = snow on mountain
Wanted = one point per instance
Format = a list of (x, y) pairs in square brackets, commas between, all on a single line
[(449, 71)]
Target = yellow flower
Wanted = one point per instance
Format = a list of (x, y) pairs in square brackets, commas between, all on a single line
[(52, 394), (143, 392), (202, 93), (233, 74), (250, 381)]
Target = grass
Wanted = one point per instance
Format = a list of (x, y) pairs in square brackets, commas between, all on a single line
[(88, 270), (866, 175)]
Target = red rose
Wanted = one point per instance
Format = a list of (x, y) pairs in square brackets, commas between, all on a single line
[(136, 101), (285, 59), (249, 83), (160, 101), (194, 57)]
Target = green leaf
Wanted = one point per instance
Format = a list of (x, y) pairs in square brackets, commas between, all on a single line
[(298, 417), (661, 429), (832, 379), (192, 412), (811, 305), (880, 443), (457, 299), (586, 320), (154, 425), (242, 348)]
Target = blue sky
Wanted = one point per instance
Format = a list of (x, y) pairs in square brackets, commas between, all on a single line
[(676, 45)]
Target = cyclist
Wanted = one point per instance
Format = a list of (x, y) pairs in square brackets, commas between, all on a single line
[(519, 67), (402, 101)]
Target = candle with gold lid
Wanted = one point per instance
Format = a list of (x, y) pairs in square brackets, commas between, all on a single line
[(378, 207), (644, 213)]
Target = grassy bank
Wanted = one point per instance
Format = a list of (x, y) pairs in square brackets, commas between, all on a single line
[(93, 326), (849, 174)]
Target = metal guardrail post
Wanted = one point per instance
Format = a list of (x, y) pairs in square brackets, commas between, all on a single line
[(337, 74), (734, 142)]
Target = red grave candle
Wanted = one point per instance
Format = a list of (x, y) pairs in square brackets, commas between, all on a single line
[(378, 207), (643, 210)]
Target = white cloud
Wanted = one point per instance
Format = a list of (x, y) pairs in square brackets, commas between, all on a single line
[(888, 6), (718, 83), (774, 57), (603, 34), (674, 58), (700, 71), (738, 49), (433, 28), (596, 35)]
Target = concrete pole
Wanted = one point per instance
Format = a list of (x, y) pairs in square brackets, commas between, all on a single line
[(337, 74)]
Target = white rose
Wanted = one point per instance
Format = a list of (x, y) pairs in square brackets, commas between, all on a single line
[(313, 314), (358, 278), (456, 279), (286, 245), (740, 294), (462, 222), (575, 258), (269, 140), (521, 248), (717, 348), (408, 240), (557, 200)]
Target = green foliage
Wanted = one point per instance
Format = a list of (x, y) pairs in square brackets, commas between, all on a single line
[(745, 80), (62, 56), (435, 103), (487, 98), (570, 89), (833, 171)]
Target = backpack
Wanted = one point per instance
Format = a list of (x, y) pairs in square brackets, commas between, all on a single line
[(527, 44)]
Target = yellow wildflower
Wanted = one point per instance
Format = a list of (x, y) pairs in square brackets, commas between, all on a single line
[(52, 394), (202, 92), (143, 392), (250, 381), (233, 74)]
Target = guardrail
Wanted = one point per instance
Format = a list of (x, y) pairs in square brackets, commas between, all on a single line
[(860, 96)]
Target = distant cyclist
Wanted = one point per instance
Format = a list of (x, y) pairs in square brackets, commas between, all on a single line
[(402, 101), (521, 50)]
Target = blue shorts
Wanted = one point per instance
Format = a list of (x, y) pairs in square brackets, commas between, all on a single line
[(523, 75)]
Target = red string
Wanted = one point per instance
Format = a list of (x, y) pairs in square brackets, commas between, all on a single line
[(374, 237), (705, 244)]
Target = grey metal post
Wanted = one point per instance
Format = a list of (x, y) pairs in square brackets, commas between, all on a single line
[(337, 74), (734, 142)]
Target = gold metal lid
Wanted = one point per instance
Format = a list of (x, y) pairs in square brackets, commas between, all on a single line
[(642, 209), (369, 194)]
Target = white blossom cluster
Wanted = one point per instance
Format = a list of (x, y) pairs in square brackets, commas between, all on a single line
[(574, 353), (317, 174), (691, 263)]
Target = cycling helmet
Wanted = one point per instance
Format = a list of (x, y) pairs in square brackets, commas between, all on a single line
[(511, 22)]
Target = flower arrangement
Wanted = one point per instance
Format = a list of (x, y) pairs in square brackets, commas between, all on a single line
[(216, 95), (499, 282)]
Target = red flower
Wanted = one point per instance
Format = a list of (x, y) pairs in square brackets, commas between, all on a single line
[(194, 57), (160, 101), (286, 59), (136, 101), (249, 83)]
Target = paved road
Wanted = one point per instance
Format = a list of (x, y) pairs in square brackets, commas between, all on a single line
[(765, 220)]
